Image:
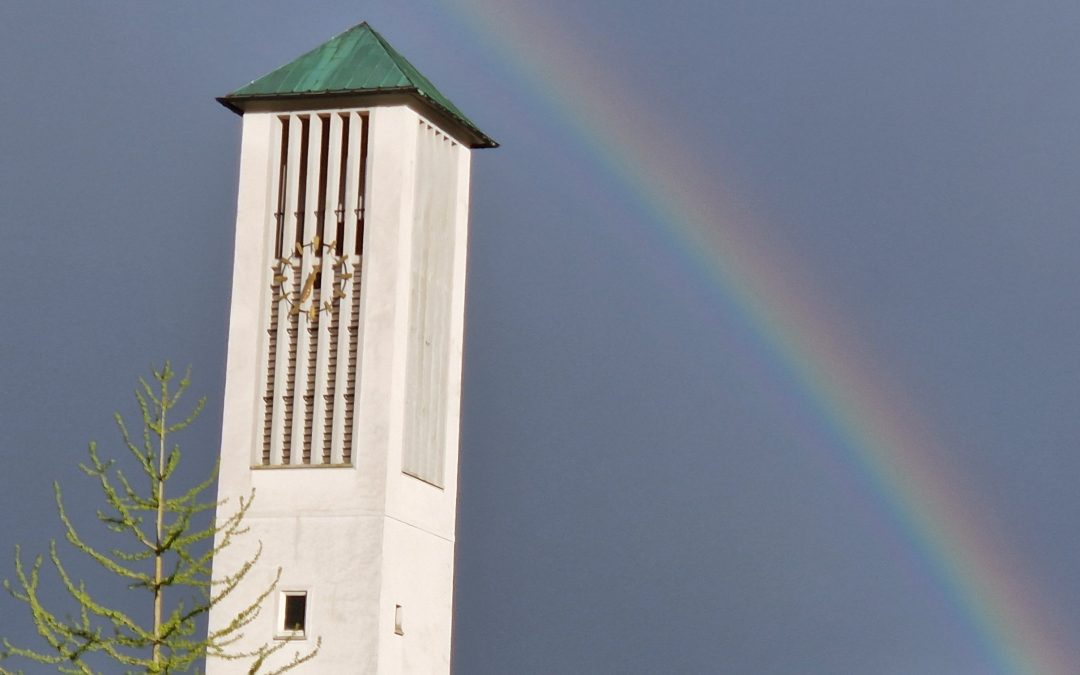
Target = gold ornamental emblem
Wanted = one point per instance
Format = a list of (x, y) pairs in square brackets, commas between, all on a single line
[(303, 299)]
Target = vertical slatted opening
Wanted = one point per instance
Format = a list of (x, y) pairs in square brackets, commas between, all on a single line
[(307, 246), (346, 169), (271, 366), (301, 199), (276, 290), (312, 365), (339, 211), (309, 391), (329, 397), (361, 188), (350, 377), (283, 162), (324, 159), (290, 378)]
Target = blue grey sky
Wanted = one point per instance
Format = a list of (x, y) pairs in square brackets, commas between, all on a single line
[(640, 493)]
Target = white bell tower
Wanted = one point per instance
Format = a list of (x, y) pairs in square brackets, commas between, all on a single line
[(344, 360)]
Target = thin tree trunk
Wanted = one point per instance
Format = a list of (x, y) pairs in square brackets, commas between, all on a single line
[(158, 562)]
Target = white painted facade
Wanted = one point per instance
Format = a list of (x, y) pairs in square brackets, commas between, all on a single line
[(366, 530)]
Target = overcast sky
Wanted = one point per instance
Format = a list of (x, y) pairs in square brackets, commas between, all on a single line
[(651, 482)]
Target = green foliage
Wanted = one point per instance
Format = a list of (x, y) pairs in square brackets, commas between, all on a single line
[(167, 551)]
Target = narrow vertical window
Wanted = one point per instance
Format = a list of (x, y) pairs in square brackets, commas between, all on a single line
[(290, 375), (283, 164), (339, 211), (312, 363), (352, 355), (331, 381), (360, 192), (271, 368), (350, 377), (324, 160), (301, 189), (276, 289)]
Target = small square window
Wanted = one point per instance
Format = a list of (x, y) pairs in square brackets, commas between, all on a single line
[(292, 614)]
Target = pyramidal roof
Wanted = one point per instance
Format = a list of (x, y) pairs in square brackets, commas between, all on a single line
[(358, 61)]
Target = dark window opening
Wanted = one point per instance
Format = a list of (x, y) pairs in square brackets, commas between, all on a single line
[(283, 164), (339, 211), (324, 160), (360, 201), (295, 613), (301, 188)]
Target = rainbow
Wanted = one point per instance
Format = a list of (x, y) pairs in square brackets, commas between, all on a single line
[(882, 437)]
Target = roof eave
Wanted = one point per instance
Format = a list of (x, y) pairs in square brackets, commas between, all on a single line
[(477, 138)]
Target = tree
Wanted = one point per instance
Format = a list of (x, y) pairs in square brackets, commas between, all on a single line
[(166, 551)]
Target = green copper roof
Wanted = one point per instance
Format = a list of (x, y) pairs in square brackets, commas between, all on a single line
[(358, 61)]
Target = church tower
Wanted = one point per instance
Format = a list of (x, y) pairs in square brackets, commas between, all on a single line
[(344, 360)]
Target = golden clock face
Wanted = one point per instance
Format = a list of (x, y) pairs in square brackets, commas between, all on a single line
[(303, 293)]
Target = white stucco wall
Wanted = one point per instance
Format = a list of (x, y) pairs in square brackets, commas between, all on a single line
[(363, 538)]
